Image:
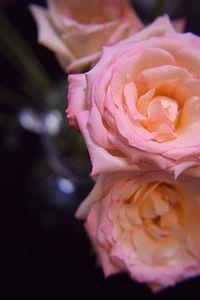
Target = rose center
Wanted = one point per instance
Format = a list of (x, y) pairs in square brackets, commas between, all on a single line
[(161, 118), (156, 219), (170, 107)]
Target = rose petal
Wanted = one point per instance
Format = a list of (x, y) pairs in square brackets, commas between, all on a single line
[(143, 101), (94, 196), (47, 35), (189, 59), (76, 97), (102, 160), (130, 93), (154, 77)]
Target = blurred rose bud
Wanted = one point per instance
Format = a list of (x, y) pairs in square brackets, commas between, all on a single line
[(76, 30)]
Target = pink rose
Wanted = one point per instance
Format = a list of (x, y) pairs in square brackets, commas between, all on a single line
[(77, 29), (140, 104), (146, 225)]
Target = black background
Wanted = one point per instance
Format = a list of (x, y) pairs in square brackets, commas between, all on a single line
[(45, 252)]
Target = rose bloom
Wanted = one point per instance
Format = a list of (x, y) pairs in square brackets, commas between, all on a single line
[(77, 29), (140, 104), (146, 225)]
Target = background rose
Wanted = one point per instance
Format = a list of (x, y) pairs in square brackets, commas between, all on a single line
[(140, 103), (76, 30), (146, 225)]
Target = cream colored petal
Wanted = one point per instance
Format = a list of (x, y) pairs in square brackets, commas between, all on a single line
[(157, 117), (154, 77), (187, 89), (56, 12), (79, 64), (165, 134), (153, 251), (190, 59), (130, 93), (188, 130), (190, 113), (47, 34), (170, 106), (157, 28), (145, 57), (143, 101), (145, 246), (85, 43)]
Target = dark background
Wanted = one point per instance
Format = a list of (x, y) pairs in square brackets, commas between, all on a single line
[(45, 252)]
